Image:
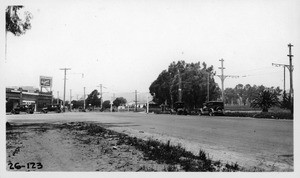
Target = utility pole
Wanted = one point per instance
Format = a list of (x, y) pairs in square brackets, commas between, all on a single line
[(70, 99), (100, 96), (84, 98), (291, 75), (57, 101), (135, 101), (223, 77), (147, 109), (208, 75), (111, 103), (70, 95), (21, 95), (65, 69), (179, 87), (284, 66), (52, 96)]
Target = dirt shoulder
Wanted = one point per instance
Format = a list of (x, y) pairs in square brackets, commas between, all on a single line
[(88, 146), (58, 147)]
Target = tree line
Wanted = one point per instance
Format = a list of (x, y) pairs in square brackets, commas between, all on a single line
[(198, 86), (93, 100), (257, 96)]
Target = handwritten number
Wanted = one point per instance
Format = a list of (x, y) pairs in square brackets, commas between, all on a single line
[(10, 166), (17, 166), (39, 165), (32, 165)]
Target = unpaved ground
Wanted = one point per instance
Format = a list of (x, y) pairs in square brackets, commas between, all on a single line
[(257, 144), (50, 147)]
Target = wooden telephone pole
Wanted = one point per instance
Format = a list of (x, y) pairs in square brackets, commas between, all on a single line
[(65, 69), (223, 77), (291, 76)]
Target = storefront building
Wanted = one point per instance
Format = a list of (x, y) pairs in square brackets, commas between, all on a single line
[(18, 96)]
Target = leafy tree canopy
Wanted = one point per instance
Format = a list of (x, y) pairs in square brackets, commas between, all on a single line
[(93, 99), (119, 101), (17, 23), (106, 104), (193, 80), (266, 99)]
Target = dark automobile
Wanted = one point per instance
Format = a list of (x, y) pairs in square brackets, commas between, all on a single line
[(212, 108), (49, 108), (23, 108), (180, 109)]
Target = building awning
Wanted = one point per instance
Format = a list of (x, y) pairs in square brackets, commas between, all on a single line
[(28, 102)]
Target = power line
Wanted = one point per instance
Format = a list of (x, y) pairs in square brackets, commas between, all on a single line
[(256, 69), (250, 75)]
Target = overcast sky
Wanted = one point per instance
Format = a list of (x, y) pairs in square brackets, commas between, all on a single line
[(124, 45)]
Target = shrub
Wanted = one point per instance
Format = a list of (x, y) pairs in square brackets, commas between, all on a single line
[(267, 115)]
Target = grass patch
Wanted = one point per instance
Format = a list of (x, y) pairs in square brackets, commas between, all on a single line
[(175, 156)]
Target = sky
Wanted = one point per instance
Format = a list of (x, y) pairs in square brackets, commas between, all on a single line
[(124, 45)]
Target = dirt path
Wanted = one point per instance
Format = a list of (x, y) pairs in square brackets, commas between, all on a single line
[(57, 149)]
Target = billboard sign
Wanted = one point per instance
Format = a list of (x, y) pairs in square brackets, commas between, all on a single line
[(45, 81)]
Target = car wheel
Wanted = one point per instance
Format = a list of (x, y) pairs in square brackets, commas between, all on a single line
[(200, 113), (211, 113)]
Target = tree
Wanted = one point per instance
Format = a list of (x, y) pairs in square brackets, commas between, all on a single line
[(93, 99), (230, 96), (285, 101), (240, 91), (265, 100), (191, 78), (160, 88), (119, 101), (16, 23), (250, 92), (106, 104), (76, 104)]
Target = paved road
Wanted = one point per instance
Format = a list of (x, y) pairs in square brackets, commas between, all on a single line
[(250, 142)]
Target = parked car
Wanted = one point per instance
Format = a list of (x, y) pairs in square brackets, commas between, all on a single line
[(23, 108), (48, 108), (212, 108), (180, 108), (80, 109)]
